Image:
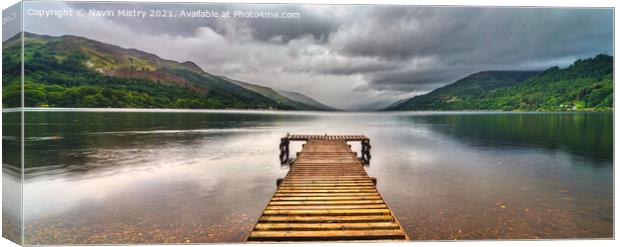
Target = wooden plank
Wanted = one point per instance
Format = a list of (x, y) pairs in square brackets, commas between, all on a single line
[(342, 202), (308, 174), (338, 190), (328, 219), (326, 235), (327, 169), (351, 162), (312, 207), (331, 183), (327, 212), (327, 183), (327, 172), (330, 177), (325, 226), (326, 198), (365, 182), (327, 166), (330, 194), (321, 179), (291, 179)]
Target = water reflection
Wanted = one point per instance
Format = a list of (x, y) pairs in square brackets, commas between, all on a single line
[(586, 134), (145, 177), (78, 142), (11, 176)]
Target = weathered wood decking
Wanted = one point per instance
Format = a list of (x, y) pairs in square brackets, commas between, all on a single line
[(327, 196)]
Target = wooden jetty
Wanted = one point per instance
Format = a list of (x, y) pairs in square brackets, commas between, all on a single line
[(327, 196)]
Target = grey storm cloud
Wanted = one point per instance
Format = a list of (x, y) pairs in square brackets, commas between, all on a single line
[(346, 55), (401, 80), (263, 29), (476, 33), (344, 66)]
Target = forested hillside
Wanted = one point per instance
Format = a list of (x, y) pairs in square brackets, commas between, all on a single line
[(587, 84), (454, 96), (70, 71)]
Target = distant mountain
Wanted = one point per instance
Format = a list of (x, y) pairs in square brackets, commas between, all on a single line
[(279, 97), (587, 84), (451, 97), (305, 100), (398, 103), (71, 71)]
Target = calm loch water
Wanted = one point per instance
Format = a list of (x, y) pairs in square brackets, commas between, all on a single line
[(152, 177)]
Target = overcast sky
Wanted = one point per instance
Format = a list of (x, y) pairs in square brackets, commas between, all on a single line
[(350, 57)]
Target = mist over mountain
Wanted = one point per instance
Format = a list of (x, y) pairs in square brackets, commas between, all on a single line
[(305, 99), (298, 100)]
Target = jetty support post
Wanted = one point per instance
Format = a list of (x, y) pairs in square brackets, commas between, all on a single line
[(284, 149), (366, 151)]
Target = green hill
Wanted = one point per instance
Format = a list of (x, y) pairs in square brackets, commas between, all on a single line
[(280, 97), (585, 85), (70, 71), (455, 95)]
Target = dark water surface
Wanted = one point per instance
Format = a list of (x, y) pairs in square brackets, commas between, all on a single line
[(152, 177)]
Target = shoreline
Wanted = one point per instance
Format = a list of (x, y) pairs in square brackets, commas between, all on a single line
[(264, 111)]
